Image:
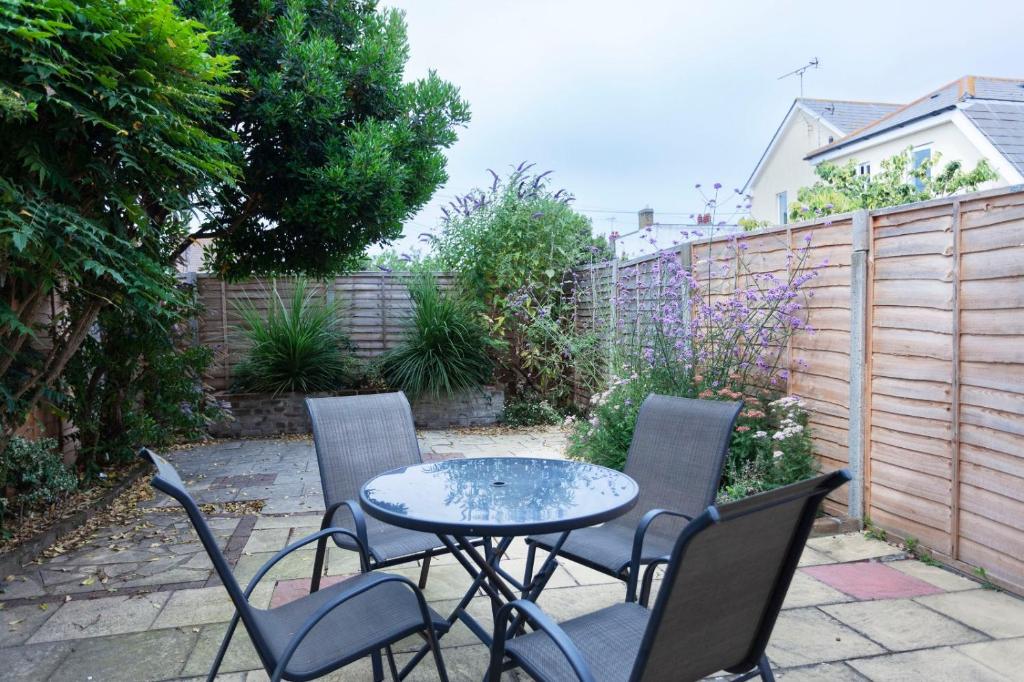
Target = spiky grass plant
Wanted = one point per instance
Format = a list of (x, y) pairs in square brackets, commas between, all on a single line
[(297, 346), (446, 345)]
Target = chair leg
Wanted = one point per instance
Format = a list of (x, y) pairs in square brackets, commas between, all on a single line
[(318, 564), (435, 648), (377, 665), (531, 556), (228, 634), (424, 571), (391, 664), (765, 669)]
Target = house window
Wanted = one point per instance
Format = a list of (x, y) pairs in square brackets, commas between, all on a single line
[(864, 169), (783, 208), (920, 156)]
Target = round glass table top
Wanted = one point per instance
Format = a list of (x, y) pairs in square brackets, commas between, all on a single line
[(498, 496)]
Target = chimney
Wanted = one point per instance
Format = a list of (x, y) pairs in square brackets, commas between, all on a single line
[(645, 217)]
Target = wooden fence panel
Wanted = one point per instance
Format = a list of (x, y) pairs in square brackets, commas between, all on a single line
[(909, 469), (990, 499), (375, 309)]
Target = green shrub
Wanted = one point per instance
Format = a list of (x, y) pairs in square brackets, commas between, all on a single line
[(36, 472), (446, 346), (530, 411), (513, 246), (138, 380), (298, 345)]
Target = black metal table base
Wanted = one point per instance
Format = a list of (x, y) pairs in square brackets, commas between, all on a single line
[(496, 583)]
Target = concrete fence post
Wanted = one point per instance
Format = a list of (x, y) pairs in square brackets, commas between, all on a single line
[(858, 359)]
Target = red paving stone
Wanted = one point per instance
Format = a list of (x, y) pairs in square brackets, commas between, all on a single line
[(871, 580), (290, 590)]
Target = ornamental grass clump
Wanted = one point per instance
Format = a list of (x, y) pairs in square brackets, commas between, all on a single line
[(718, 332), (446, 349), (298, 345)]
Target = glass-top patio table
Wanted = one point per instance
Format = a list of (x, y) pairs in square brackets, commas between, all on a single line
[(489, 501)]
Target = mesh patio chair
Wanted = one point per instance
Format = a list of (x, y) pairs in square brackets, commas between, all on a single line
[(357, 438), (724, 585), (326, 630), (677, 456)]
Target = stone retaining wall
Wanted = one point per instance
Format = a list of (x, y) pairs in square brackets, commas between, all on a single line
[(255, 415)]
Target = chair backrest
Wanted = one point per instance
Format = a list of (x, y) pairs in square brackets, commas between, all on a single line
[(167, 480), (726, 581), (677, 455), (358, 437)]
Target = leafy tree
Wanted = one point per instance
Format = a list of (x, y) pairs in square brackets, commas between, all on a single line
[(513, 246), (338, 151), (107, 111), (842, 189)]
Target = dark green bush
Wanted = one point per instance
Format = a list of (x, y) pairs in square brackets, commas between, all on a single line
[(137, 381), (530, 411), (36, 472), (446, 346), (298, 345)]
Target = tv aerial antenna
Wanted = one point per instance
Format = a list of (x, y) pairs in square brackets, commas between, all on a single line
[(799, 73)]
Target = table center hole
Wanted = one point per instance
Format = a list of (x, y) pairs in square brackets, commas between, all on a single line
[(498, 484)]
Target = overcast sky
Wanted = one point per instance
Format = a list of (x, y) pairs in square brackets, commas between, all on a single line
[(633, 103)]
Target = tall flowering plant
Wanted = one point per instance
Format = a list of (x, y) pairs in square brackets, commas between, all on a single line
[(717, 330)]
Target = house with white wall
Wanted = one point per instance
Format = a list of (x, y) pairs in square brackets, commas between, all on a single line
[(808, 125), (967, 120)]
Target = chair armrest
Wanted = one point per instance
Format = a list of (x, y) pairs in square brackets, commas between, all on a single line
[(374, 580), (543, 622), (645, 590), (638, 546), (358, 520), (301, 543)]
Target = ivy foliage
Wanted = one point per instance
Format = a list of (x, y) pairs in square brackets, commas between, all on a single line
[(337, 149), (842, 188), (109, 115)]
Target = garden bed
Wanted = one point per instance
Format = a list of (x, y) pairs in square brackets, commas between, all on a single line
[(262, 414)]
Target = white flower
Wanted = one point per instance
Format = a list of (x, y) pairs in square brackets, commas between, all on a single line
[(777, 454), (760, 434)]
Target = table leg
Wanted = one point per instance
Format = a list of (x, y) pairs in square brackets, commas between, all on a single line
[(480, 581)]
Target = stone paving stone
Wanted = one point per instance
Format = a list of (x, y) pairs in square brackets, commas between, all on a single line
[(21, 587), (901, 625), (812, 557), (852, 547), (995, 613), (240, 655), (266, 540), (293, 505), (140, 657), (290, 521), (203, 605), (560, 578), (102, 616), (19, 623), (871, 580), (806, 591), (834, 672), (289, 590), (580, 573), (32, 663), (935, 575), (569, 602), (1005, 656), (805, 636), (298, 564), (446, 581), (934, 665)]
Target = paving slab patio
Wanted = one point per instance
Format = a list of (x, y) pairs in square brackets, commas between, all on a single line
[(138, 601)]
